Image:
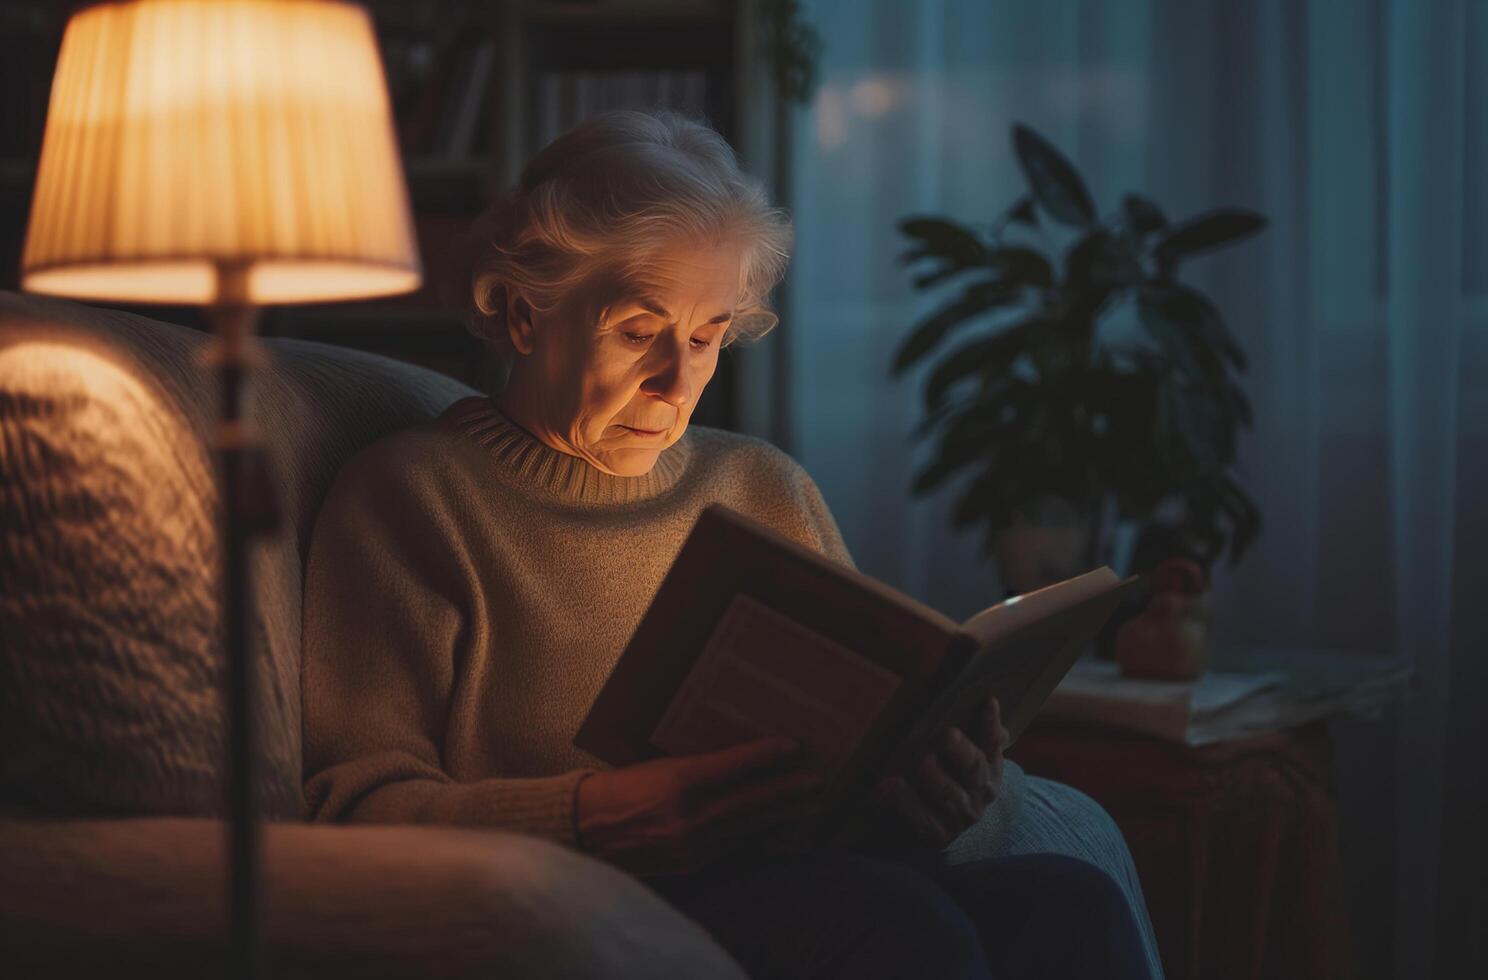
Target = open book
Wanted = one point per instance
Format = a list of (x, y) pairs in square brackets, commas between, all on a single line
[(752, 634)]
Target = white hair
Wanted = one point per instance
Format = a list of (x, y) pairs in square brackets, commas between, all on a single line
[(601, 200)]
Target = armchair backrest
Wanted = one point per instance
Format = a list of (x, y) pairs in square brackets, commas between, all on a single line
[(111, 660)]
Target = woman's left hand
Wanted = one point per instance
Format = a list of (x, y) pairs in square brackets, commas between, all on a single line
[(949, 789)]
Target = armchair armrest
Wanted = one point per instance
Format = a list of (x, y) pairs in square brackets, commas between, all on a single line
[(149, 896)]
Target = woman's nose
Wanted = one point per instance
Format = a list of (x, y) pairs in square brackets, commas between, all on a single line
[(670, 382)]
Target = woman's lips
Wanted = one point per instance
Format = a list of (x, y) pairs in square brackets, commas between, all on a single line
[(644, 432)]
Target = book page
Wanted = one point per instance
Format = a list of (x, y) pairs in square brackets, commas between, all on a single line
[(1027, 653), (761, 674), (1013, 614)]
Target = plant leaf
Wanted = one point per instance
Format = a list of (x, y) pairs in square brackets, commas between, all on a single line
[(976, 499), (1208, 231), (994, 353), (1191, 352), (932, 419), (946, 239), (1015, 265), (1101, 261), (1192, 311), (940, 275), (1143, 215), (1245, 518), (1195, 424), (978, 298), (1025, 266), (1055, 183), (1024, 213), (993, 418)]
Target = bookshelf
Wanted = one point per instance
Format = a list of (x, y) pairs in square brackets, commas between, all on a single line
[(477, 86)]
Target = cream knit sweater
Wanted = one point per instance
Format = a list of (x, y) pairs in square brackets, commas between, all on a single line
[(467, 593)]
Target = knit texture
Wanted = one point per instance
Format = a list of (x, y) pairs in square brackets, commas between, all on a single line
[(469, 590)]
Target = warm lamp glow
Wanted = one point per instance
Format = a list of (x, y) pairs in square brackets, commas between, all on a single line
[(185, 133)]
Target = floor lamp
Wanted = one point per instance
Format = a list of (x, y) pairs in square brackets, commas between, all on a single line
[(230, 154)]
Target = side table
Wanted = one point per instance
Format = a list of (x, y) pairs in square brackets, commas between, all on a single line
[(1235, 843)]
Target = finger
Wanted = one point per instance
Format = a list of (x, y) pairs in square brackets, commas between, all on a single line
[(906, 806), (996, 737), (991, 724), (965, 761), (754, 796), (732, 764), (962, 758), (943, 795)]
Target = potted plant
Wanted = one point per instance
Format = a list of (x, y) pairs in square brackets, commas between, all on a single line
[(1057, 428)]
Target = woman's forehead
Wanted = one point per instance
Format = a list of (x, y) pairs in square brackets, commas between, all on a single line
[(653, 305), (661, 288), (674, 269)]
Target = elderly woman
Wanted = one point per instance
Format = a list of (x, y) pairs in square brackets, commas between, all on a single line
[(472, 582)]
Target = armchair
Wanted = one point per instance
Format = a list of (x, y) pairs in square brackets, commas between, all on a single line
[(112, 847)]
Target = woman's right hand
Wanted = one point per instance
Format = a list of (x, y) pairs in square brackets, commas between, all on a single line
[(672, 814)]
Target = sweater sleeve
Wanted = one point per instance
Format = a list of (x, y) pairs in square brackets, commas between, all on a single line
[(765, 483), (390, 607), (822, 523)]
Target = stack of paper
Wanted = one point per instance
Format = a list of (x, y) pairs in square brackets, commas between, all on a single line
[(1270, 694)]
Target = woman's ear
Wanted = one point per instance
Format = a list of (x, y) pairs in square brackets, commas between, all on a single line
[(519, 323)]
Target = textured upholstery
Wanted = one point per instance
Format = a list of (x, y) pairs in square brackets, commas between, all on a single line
[(146, 898), (110, 668)]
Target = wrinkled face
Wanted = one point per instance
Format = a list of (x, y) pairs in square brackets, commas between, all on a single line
[(618, 392)]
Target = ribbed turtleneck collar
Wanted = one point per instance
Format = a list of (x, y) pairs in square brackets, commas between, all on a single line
[(536, 465)]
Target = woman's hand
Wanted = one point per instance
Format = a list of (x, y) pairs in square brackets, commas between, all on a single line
[(672, 814), (949, 789)]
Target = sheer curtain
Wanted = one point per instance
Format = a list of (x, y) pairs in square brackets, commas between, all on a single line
[(1361, 130)]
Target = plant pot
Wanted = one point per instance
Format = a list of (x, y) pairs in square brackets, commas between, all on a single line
[(1054, 541), (1051, 542)]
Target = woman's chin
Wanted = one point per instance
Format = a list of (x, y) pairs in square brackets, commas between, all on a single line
[(636, 461)]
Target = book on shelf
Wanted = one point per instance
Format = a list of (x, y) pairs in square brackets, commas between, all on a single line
[(564, 98), (422, 88), (440, 88), (467, 99), (752, 634)]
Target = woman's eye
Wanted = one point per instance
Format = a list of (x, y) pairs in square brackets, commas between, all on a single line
[(637, 338), (699, 344)]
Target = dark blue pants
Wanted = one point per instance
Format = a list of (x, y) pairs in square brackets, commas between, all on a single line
[(822, 916)]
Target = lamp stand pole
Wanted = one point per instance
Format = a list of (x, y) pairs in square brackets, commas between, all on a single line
[(247, 511)]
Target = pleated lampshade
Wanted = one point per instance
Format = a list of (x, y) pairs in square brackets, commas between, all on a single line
[(182, 134)]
